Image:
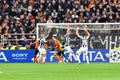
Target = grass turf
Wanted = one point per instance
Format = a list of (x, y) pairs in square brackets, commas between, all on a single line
[(54, 71)]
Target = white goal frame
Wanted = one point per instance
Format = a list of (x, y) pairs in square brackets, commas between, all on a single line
[(99, 26)]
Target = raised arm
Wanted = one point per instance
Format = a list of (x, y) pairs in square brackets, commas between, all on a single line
[(77, 33), (68, 30), (85, 29), (48, 32)]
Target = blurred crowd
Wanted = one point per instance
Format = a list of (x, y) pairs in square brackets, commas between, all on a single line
[(21, 16)]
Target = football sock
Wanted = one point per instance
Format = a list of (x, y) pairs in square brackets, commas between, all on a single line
[(70, 56), (44, 59), (35, 59), (38, 58), (59, 58), (78, 58), (64, 55), (87, 59)]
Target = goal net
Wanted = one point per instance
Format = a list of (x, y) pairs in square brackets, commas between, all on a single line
[(102, 35)]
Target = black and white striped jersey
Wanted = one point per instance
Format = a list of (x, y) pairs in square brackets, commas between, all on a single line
[(67, 40), (84, 41), (42, 42)]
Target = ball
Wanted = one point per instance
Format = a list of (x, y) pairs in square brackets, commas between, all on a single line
[(115, 55)]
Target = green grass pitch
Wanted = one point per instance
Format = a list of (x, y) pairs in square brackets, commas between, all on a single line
[(55, 71)]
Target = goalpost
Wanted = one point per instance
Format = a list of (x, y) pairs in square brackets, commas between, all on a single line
[(107, 34), (103, 35)]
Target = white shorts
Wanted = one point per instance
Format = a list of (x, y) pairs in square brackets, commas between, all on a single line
[(83, 50), (42, 50), (68, 48)]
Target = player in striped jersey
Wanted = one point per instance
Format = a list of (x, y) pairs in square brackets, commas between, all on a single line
[(42, 47), (84, 47), (67, 45)]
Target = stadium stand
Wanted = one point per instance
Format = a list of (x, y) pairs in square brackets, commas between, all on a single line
[(21, 16)]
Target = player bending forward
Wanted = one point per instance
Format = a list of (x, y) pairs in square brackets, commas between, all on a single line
[(59, 49), (67, 45), (84, 47)]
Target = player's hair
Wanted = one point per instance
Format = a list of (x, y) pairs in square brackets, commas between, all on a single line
[(84, 33), (54, 35)]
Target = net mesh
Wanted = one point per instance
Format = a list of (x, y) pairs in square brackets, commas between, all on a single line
[(103, 35)]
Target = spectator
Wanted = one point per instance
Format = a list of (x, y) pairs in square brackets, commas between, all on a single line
[(25, 42), (21, 16)]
